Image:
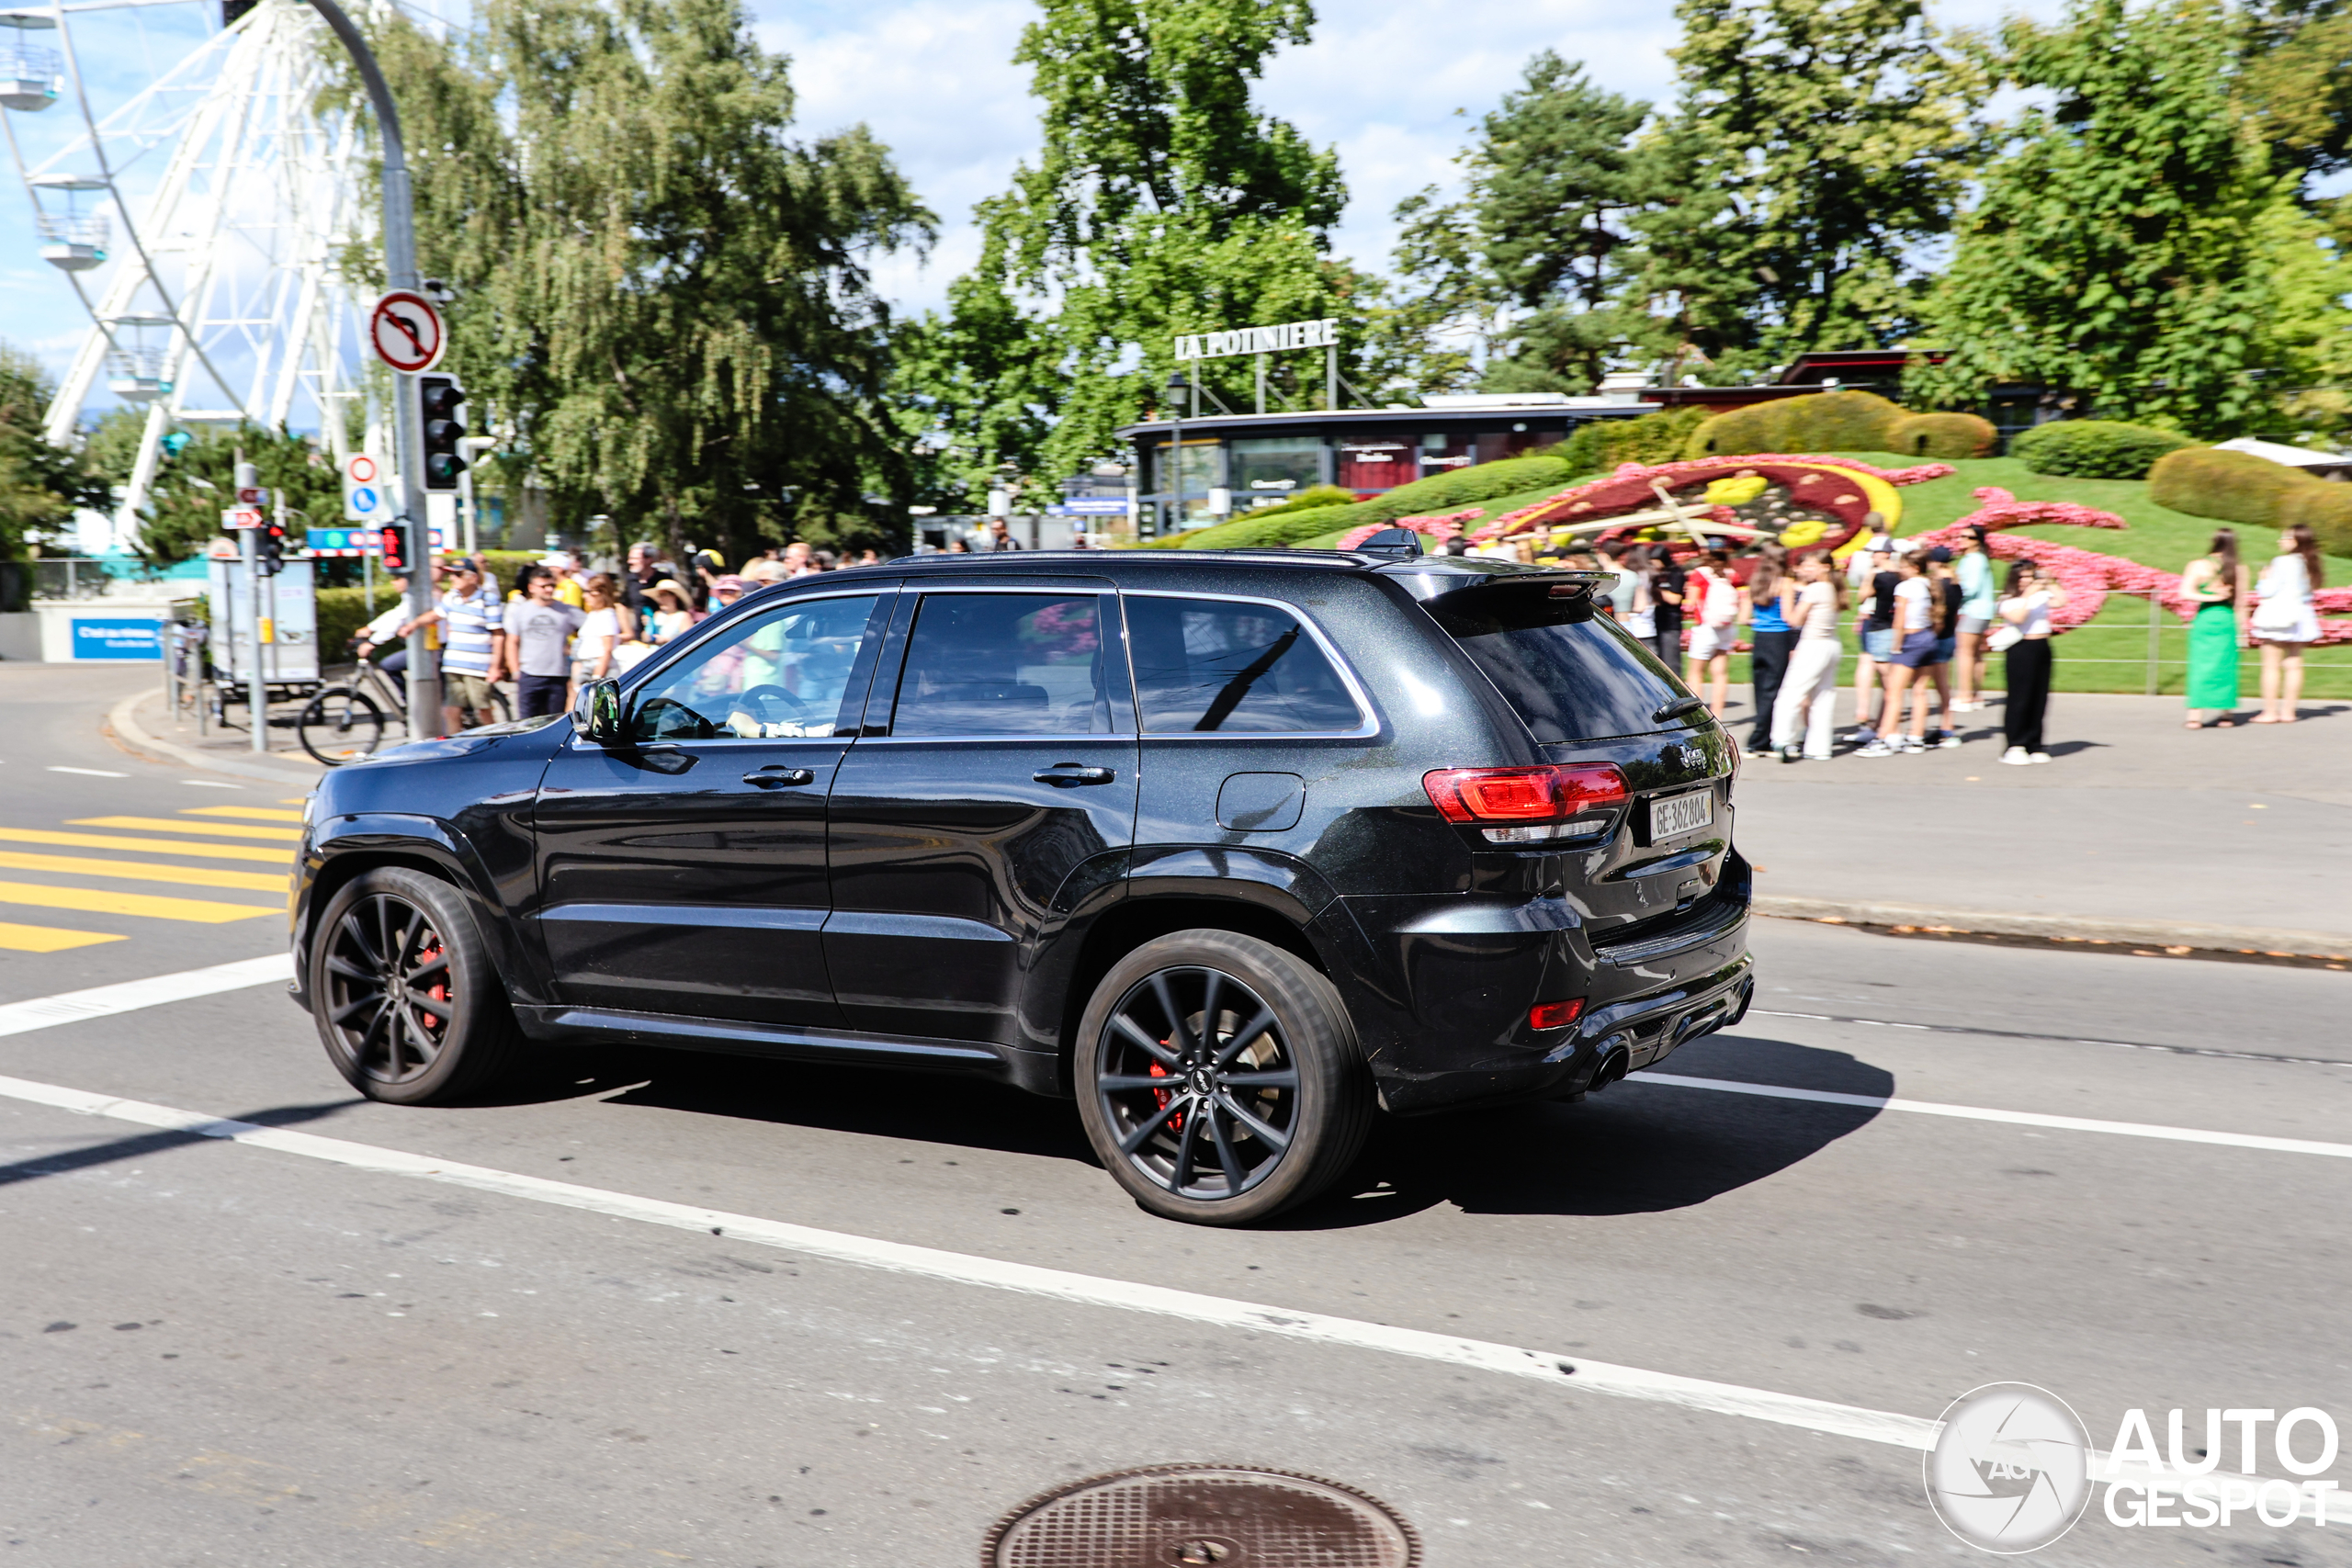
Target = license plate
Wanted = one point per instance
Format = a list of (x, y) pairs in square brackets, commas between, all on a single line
[(1681, 814)]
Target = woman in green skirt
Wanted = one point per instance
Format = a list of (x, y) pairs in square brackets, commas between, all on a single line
[(2216, 584)]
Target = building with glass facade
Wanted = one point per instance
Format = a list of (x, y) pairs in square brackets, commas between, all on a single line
[(1230, 463)]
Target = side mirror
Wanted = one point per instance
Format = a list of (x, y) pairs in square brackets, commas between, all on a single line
[(596, 712)]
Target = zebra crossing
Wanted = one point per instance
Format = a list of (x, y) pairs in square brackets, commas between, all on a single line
[(145, 853)]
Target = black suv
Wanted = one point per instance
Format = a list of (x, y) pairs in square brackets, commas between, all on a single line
[(1230, 846)]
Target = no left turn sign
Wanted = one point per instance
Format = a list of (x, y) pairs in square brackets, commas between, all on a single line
[(406, 331)]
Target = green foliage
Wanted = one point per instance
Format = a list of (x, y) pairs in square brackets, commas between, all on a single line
[(1598, 446), (1163, 202), (1943, 435), (1819, 421), (666, 297), (2235, 487), (1440, 492), (39, 484), (1814, 145), (1529, 259), (184, 504), (2296, 85), (2094, 448), (342, 612), (2310, 328), (2117, 249), (1310, 499), (2326, 510)]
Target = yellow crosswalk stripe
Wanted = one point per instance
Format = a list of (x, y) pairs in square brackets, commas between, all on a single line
[(149, 846), (175, 825), (48, 939), (296, 801), (143, 870), (201, 911), (251, 813)]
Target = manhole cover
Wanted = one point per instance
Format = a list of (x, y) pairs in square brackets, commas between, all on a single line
[(1203, 1515)]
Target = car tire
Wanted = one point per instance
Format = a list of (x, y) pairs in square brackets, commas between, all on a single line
[(1265, 1079), (445, 1032)]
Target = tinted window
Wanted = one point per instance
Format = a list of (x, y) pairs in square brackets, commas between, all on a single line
[(1005, 664), (778, 675), (1572, 674), (1204, 664)]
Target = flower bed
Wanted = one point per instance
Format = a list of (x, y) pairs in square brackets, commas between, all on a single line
[(1846, 490)]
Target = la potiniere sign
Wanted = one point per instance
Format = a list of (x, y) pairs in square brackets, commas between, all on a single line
[(1323, 334)]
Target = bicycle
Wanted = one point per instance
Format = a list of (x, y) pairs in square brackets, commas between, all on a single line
[(344, 723)]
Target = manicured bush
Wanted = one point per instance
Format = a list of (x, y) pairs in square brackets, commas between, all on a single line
[(1949, 436), (1440, 492), (1305, 501), (1819, 421), (2094, 448), (2325, 507), (2235, 487), (343, 611), (1598, 446)]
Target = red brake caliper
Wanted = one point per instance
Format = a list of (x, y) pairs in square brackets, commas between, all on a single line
[(439, 993), (1160, 1098)]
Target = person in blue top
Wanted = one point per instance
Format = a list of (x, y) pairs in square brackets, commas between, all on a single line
[(1973, 571), (1770, 591)]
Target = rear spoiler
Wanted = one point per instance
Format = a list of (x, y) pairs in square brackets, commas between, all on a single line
[(1472, 598)]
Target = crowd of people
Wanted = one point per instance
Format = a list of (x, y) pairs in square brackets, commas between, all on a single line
[(1926, 624)]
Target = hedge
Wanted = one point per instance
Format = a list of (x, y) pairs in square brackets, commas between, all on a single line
[(1599, 445), (2094, 448), (1440, 492), (1819, 421), (1305, 501), (2325, 507), (2235, 487), (1948, 436)]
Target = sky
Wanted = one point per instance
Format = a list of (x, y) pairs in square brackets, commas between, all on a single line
[(1395, 85)]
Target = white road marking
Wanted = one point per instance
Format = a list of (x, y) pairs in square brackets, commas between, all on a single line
[(102, 1001), (87, 772), (210, 783), (2018, 1117), (1561, 1371)]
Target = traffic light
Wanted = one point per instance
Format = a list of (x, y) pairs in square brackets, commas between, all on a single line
[(270, 549), (439, 397), (393, 538)]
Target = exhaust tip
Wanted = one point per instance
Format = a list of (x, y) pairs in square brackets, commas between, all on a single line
[(1612, 1068)]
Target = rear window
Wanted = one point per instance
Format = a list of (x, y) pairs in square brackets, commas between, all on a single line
[(1573, 675)]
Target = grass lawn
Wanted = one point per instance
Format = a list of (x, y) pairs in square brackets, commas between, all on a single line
[(2113, 652)]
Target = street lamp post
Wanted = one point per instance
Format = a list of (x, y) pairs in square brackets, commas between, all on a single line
[(1178, 384), (408, 445)]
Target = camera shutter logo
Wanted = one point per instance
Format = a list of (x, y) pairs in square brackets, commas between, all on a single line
[(2010, 1469)]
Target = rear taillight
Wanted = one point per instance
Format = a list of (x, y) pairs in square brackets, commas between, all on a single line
[(1520, 805), (1554, 1015)]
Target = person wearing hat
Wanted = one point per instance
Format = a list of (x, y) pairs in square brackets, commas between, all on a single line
[(673, 609), (473, 634)]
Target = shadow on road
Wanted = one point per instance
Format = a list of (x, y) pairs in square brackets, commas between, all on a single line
[(1636, 1149), (139, 1145)]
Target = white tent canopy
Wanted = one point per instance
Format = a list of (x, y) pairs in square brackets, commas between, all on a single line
[(2278, 452)]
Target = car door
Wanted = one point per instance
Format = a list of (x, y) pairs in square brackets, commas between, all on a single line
[(682, 871), (994, 777)]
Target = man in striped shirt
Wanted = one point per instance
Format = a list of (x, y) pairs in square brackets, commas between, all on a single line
[(473, 645)]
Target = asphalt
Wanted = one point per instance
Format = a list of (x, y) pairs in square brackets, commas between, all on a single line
[(212, 1351)]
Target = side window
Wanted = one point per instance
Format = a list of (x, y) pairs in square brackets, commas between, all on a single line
[(1208, 664), (1005, 664), (780, 675)]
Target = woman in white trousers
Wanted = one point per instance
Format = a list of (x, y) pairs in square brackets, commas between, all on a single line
[(1808, 700)]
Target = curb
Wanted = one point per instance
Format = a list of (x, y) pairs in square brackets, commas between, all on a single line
[(2262, 941), (125, 727)]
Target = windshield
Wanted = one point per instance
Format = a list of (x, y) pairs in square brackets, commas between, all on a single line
[(1572, 673)]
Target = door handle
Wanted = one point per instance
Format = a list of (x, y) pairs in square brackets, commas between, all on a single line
[(773, 776), (1065, 775)]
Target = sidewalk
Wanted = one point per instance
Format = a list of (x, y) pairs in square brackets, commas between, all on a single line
[(141, 722), (2138, 830)]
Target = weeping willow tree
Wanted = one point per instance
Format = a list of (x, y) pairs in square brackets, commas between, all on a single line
[(664, 295)]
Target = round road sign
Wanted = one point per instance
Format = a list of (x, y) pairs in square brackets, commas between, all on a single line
[(406, 331), (361, 468)]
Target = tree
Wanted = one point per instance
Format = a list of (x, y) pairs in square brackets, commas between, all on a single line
[(1163, 202), (665, 299), (1815, 146), (40, 485), (2297, 81), (193, 486), (1529, 262), (2117, 251)]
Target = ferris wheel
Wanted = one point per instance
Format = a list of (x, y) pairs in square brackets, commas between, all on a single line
[(200, 209)]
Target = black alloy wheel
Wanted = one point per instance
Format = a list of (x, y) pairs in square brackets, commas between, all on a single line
[(407, 1002), (1219, 1078)]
